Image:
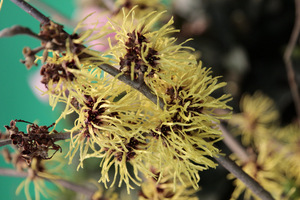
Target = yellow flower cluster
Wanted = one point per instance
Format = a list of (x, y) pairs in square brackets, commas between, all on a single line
[(258, 115), (37, 172), (265, 170), (164, 190), (274, 161), (188, 125), (119, 125), (289, 138)]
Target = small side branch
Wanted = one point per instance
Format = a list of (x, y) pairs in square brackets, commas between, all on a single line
[(5, 142), (32, 11), (234, 145), (16, 30), (55, 15), (254, 186), (288, 60), (62, 136)]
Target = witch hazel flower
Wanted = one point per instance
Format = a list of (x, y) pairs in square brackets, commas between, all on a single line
[(146, 53), (188, 129), (120, 126), (183, 133)]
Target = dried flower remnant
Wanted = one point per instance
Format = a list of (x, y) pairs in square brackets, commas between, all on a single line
[(55, 72), (36, 143), (55, 38), (30, 56)]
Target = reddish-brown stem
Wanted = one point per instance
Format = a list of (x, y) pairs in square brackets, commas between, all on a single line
[(254, 186), (288, 60), (57, 16), (32, 11), (234, 145), (140, 86), (5, 142)]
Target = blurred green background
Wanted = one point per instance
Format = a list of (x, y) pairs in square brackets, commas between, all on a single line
[(17, 98)]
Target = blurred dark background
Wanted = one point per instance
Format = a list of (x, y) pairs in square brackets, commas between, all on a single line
[(243, 41)]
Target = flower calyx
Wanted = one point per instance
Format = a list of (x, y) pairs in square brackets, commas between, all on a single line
[(138, 55), (55, 72)]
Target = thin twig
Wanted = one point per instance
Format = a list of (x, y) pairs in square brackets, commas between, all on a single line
[(12, 172), (55, 15), (141, 87), (55, 136), (234, 145), (32, 11), (254, 186), (16, 30), (288, 60), (62, 136), (67, 184), (5, 142)]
